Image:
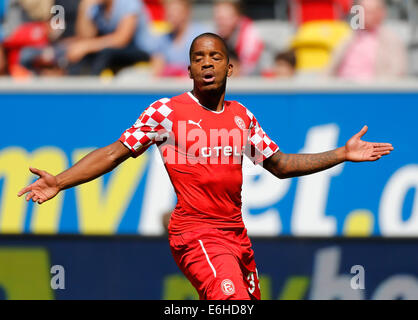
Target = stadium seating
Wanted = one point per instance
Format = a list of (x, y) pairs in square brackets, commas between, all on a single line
[(314, 42)]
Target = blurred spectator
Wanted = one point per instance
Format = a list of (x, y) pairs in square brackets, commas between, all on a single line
[(51, 59), (285, 64), (71, 10), (113, 34), (155, 9), (173, 57), (3, 9), (370, 53), (2, 61), (239, 33), (28, 28), (17, 14), (30, 36)]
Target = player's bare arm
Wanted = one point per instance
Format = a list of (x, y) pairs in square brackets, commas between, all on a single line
[(284, 165), (92, 166)]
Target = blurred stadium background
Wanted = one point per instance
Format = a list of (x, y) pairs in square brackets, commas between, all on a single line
[(312, 71)]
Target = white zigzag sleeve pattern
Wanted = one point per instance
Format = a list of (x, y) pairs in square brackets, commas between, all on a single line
[(260, 145), (153, 124)]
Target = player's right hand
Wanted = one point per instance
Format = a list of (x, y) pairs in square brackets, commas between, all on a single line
[(43, 189)]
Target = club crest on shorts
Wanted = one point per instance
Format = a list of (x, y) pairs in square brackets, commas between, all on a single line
[(227, 287), (239, 122)]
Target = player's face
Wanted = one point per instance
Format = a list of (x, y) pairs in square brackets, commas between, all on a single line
[(209, 65)]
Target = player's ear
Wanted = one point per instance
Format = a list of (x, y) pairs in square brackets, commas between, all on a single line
[(189, 71), (230, 69)]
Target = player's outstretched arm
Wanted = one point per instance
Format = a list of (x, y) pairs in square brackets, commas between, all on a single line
[(293, 165), (93, 165)]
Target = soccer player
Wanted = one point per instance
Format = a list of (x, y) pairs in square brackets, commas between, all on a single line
[(202, 139)]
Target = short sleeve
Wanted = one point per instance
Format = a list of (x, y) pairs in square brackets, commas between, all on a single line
[(128, 7), (120, 10), (259, 146), (93, 12), (153, 125)]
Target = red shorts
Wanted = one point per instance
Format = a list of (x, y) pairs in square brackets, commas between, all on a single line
[(219, 263)]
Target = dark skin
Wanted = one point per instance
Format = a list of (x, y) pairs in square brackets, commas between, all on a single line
[(209, 68), (209, 58), (209, 55), (284, 165)]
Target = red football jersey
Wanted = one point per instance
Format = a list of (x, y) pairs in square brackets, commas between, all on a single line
[(202, 151)]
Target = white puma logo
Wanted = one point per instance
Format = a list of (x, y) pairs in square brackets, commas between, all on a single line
[(195, 123)]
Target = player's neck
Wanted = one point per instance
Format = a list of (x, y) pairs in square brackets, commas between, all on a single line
[(213, 100)]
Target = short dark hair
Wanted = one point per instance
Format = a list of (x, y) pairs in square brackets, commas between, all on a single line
[(288, 56), (209, 35)]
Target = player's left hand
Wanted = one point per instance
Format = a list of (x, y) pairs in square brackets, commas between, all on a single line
[(358, 150)]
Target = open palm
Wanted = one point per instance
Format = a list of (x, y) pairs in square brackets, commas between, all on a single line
[(358, 150), (41, 190)]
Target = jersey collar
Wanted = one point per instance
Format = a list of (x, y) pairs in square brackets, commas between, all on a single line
[(197, 101)]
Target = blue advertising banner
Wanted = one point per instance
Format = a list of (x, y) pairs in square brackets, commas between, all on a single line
[(74, 267), (53, 131)]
